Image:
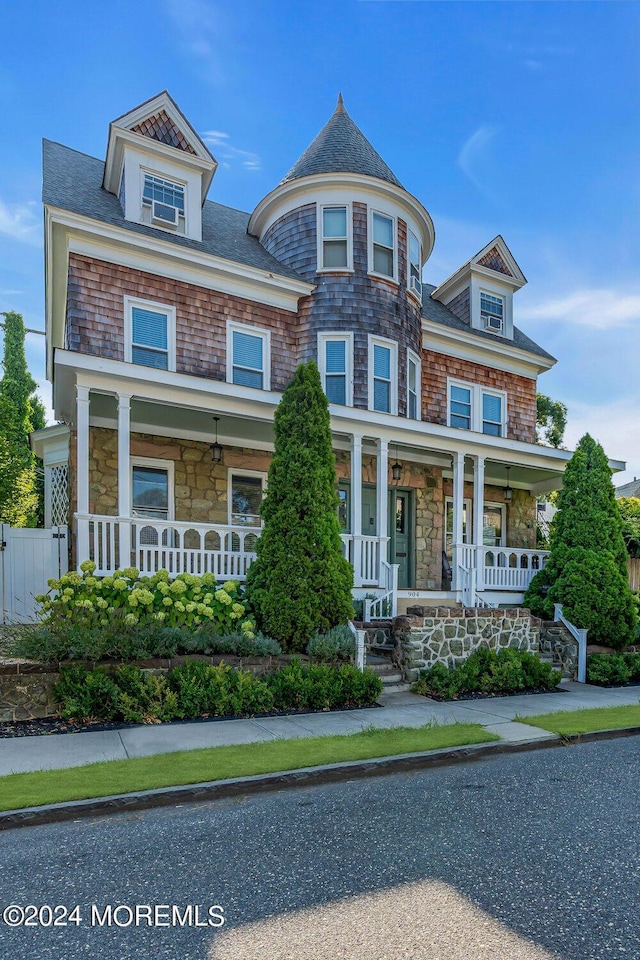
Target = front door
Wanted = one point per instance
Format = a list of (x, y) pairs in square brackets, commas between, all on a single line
[(401, 535)]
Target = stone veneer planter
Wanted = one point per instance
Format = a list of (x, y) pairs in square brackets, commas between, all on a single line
[(448, 635)]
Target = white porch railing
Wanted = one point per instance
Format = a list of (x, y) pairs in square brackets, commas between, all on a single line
[(500, 568), (176, 546), (386, 605), (191, 547)]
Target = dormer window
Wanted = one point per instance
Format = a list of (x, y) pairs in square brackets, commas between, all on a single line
[(492, 312), (164, 199)]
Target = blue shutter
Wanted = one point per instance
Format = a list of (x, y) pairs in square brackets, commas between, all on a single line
[(335, 356), (149, 328), (247, 350), (381, 362)]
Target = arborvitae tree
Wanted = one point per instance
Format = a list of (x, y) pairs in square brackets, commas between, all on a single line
[(20, 413), (300, 582), (587, 567)]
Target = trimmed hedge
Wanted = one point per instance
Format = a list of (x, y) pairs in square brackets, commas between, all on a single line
[(485, 671), (199, 689), (613, 669)]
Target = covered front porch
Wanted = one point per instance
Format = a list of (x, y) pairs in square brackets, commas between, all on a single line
[(439, 515)]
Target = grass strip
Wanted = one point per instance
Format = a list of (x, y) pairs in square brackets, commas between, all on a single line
[(586, 721), (223, 763)]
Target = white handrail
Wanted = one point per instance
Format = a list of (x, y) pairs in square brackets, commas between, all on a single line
[(580, 636), (359, 637)]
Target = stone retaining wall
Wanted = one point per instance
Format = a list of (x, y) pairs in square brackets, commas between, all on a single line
[(26, 691), (557, 642), (448, 635)]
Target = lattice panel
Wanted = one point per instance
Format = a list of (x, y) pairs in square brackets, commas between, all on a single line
[(59, 480)]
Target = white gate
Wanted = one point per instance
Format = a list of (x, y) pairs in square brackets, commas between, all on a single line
[(28, 558)]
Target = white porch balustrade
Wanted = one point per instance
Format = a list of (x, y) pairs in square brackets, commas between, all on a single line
[(501, 568)]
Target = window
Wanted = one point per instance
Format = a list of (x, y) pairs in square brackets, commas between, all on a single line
[(245, 497), (471, 407), (248, 352), (383, 245), (492, 312), (413, 386), (383, 372), (335, 352), (149, 334), (493, 525), (165, 199), (460, 407), (415, 265), (152, 488), (448, 524), (334, 232)]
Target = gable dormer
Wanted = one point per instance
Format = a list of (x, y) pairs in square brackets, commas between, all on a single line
[(481, 291), (159, 168)]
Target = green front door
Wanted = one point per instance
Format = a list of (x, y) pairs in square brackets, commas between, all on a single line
[(401, 535)]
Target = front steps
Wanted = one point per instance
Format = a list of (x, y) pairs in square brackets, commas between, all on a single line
[(392, 679)]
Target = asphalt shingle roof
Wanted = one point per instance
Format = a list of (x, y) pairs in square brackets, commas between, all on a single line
[(436, 311), (341, 147), (73, 181)]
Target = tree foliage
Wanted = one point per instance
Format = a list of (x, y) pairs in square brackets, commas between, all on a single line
[(630, 513), (551, 421), (587, 566), (300, 583), (21, 486)]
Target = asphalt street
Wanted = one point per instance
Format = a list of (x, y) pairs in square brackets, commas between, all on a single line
[(526, 857)]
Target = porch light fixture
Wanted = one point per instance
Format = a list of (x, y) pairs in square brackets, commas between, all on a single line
[(508, 492), (396, 468), (216, 448)]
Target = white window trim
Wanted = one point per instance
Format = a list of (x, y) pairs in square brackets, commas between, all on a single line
[(383, 342), (169, 179), (502, 507), (325, 336), (170, 312), (236, 472), (416, 359), (482, 285), (466, 534), (263, 332), (417, 296), (394, 221), (497, 296), (320, 237), (157, 464), (477, 391)]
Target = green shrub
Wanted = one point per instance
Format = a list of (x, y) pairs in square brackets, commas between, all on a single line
[(536, 596), (86, 694), (607, 670), (338, 643), (632, 661), (129, 599), (488, 671)]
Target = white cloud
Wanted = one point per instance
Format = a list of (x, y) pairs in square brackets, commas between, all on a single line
[(596, 308), (227, 154), (473, 154), (20, 222), (199, 26)]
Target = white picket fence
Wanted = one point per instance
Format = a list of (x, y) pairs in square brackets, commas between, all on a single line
[(28, 558)]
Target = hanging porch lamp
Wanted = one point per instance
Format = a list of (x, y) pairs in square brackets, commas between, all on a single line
[(508, 492), (216, 448), (396, 468)]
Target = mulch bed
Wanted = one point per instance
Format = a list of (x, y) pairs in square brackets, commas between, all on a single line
[(491, 696), (56, 725)]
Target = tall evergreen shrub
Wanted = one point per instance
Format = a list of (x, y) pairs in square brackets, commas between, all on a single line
[(587, 567), (300, 583)]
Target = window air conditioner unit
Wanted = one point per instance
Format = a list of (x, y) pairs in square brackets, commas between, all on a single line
[(493, 323), (164, 213), (416, 286)]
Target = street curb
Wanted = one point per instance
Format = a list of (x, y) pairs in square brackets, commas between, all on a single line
[(303, 777)]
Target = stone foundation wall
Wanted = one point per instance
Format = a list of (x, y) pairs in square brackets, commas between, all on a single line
[(26, 691), (430, 635), (557, 642)]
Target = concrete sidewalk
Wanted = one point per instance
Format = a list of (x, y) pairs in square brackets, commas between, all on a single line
[(401, 709)]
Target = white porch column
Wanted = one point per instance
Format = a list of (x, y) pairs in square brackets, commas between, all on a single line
[(478, 517), (458, 508), (82, 480), (356, 508), (382, 502), (124, 477)]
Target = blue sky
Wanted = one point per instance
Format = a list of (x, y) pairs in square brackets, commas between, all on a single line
[(510, 117)]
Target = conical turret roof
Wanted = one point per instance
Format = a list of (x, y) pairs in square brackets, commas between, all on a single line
[(341, 147)]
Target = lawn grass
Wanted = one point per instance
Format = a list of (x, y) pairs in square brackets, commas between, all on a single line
[(586, 721), (222, 763)]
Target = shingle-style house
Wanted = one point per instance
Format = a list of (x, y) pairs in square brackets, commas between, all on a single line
[(174, 323)]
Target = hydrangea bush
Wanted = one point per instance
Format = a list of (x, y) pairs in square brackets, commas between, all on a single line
[(185, 601)]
